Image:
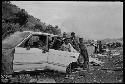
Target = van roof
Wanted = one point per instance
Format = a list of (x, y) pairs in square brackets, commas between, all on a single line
[(41, 33)]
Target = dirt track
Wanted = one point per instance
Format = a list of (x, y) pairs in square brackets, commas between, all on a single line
[(110, 72)]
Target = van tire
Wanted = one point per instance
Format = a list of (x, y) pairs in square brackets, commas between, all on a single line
[(71, 67)]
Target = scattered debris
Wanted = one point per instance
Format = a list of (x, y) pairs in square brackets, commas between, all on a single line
[(101, 55), (33, 81), (95, 61), (101, 70), (46, 80)]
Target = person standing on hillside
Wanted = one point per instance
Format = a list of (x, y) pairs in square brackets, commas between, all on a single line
[(74, 41), (100, 47), (64, 35), (84, 54), (66, 46), (57, 43), (96, 46)]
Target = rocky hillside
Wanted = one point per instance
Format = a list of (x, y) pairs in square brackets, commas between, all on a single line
[(109, 40), (16, 19)]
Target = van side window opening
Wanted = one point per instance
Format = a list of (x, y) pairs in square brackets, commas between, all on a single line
[(34, 41), (50, 42), (57, 43)]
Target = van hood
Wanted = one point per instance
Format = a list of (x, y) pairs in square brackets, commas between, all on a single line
[(14, 39)]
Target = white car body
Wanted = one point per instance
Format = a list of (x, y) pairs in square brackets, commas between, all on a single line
[(35, 59)]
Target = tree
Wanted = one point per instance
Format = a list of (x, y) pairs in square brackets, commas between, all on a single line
[(56, 26), (16, 19), (39, 27), (8, 2), (22, 17)]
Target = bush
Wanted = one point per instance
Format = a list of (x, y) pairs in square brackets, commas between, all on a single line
[(9, 28), (16, 19)]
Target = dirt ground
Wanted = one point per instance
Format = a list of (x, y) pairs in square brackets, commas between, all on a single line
[(109, 72)]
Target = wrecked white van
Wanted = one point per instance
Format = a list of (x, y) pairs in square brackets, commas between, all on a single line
[(35, 58)]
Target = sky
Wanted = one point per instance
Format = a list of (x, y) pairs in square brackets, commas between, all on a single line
[(94, 20)]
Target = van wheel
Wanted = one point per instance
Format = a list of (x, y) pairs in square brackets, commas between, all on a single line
[(71, 67)]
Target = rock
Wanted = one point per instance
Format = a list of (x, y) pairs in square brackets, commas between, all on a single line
[(47, 80), (33, 81)]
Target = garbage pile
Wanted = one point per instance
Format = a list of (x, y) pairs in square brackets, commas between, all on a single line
[(95, 61)]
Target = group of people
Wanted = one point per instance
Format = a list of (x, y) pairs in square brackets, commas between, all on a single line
[(114, 45), (98, 47), (71, 44)]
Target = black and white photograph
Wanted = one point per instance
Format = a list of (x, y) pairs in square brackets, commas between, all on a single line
[(62, 42)]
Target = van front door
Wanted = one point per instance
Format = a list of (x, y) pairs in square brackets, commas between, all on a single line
[(59, 60), (29, 59)]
